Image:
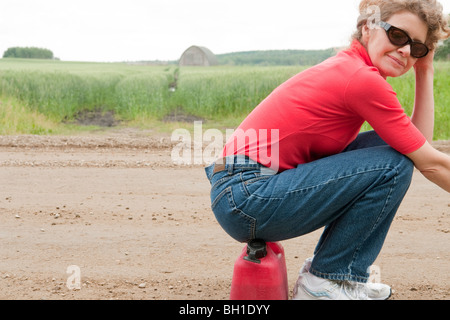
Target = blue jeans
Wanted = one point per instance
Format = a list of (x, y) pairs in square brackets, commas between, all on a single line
[(354, 195)]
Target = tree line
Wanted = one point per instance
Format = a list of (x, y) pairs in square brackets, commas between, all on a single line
[(28, 53), (276, 57)]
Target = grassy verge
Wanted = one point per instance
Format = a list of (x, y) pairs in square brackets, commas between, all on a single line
[(16, 118), (45, 97)]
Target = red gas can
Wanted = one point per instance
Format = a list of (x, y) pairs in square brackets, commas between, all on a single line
[(260, 273)]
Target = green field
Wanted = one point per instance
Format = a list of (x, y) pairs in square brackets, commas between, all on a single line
[(46, 97)]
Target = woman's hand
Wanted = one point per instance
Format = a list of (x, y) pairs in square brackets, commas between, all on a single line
[(425, 63)]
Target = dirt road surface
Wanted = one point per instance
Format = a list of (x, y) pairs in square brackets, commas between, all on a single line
[(137, 226)]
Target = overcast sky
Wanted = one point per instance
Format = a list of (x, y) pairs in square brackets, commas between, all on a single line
[(132, 30)]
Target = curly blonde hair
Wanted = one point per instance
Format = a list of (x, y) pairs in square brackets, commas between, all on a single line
[(430, 11)]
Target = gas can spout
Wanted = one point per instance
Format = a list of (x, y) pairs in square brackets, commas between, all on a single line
[(256, 250)]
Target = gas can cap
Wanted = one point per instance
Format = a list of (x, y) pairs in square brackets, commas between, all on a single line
[(256, 250)]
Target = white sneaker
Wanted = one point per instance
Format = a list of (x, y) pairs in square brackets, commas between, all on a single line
[(310, 287), (375, 291), (378, 291)]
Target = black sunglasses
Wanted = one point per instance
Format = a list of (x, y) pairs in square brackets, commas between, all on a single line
[(400, 38)]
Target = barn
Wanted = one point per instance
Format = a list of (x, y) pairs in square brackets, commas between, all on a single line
[(198, 56)]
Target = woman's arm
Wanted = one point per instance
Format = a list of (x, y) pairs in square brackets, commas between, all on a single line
[(423, 114), (433, 164)]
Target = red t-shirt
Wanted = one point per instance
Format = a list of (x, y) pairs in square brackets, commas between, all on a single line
[(320, 111)]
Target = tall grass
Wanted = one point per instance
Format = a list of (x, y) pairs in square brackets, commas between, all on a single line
[(141, 95), (17, 119), (227, 91), (442, 101), (58, 91)]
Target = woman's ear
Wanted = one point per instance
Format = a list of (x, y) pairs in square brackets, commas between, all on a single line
[(365, 33)]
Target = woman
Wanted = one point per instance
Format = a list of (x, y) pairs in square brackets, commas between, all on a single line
[(298, 163)]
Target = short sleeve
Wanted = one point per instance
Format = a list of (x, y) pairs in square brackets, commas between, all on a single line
[(371, 97)]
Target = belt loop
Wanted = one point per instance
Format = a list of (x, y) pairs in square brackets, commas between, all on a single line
[(230, 165)]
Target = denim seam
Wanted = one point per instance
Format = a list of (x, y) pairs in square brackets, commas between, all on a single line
[(230, 198), (251, 181), (380, 215), (241, 185), (220, 181), (337, 179), (338, 276), (208, 171), (220, 196), (252, 223), (228, 192)]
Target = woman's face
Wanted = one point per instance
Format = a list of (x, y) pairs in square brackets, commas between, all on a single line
[(391, 60)]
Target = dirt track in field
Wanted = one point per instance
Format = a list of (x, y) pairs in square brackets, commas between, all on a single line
[(139, 227)]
